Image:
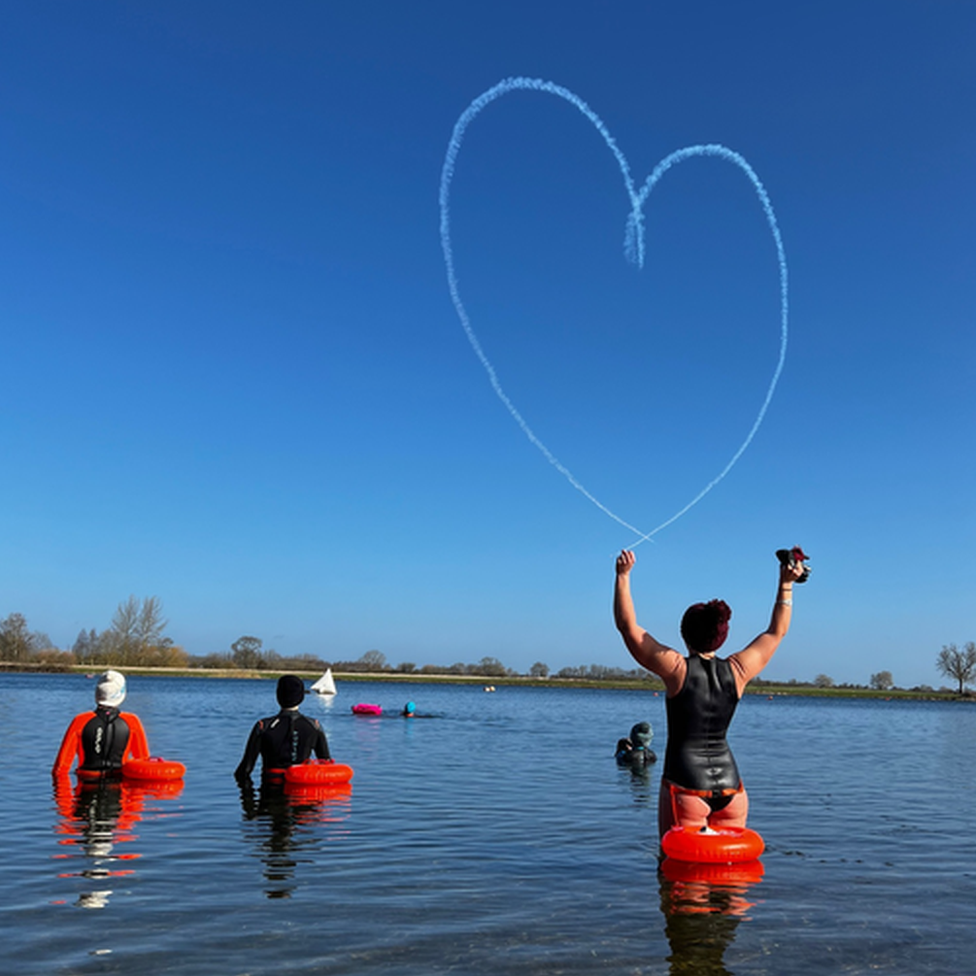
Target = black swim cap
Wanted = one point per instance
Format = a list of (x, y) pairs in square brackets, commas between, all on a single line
[(291, 690)]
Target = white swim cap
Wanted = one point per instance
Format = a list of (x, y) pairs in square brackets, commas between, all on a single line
[(110, 690)]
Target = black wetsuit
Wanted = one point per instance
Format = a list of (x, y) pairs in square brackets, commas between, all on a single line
[(281, 741), (102, 740), (698, 758)]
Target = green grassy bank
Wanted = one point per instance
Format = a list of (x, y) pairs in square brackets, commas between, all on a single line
[(769, 689)]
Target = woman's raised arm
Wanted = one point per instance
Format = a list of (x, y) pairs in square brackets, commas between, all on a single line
[(658, 658), (750, 661)]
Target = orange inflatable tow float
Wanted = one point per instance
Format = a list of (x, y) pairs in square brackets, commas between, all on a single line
[(153, 769), (727, 845), (319, 772)]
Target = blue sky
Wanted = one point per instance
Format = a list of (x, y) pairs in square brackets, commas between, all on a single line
[(233, 376)]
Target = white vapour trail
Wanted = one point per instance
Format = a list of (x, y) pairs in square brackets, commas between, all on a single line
[(633, 249)]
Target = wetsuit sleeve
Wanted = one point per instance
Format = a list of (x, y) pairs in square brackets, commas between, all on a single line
[(71, 745), (138, 745), (251, 752), (321, 746)]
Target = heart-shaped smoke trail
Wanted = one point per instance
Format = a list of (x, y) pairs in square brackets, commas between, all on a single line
[(633, 249)]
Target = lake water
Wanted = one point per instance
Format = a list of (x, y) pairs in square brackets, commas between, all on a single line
[(497, 837)]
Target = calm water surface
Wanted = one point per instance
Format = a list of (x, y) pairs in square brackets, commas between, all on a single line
[(496, 837)]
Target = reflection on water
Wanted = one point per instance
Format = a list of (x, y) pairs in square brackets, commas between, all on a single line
[(95, 818), (286, 822), (703, 905), (501, 839)]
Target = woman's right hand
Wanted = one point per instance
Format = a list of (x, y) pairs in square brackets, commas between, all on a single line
[(625, 561)]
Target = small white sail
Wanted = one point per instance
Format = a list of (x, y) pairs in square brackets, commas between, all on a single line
[(326, 684)]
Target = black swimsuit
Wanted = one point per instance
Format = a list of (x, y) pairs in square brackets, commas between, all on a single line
[(698, 758)]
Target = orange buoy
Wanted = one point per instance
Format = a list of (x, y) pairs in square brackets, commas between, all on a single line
[(319, 772), (153, 769), (727, 845)]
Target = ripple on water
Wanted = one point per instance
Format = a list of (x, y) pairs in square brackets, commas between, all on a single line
[(499, 837)]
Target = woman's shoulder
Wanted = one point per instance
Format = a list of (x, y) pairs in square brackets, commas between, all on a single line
[(674, 678)]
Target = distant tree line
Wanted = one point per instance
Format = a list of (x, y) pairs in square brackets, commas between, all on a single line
[(136, 638), (882, 681)]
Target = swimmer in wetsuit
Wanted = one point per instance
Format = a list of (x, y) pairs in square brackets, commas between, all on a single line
[(635, 751), (102, 740), (701, 784), (285, 739)]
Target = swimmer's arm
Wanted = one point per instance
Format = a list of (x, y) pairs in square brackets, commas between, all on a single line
[(70, 745), (138, 746), (321, 746), (749, 662), (251, 752), (649, 653)]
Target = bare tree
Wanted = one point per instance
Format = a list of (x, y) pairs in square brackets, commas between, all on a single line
[(136, 634), (960, 665), (118, 643), (85, 647), (246, 652), (489, 666), (882, 681), (16, 641), (150, 623), (374, 661)]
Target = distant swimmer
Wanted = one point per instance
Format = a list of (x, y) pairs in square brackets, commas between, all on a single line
[(635, 750), (408, 710), (102, 740), (701, 785), (285, 739)]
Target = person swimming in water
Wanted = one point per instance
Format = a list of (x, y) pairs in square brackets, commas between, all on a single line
[(701, 785), (635, 750), (102, 740)]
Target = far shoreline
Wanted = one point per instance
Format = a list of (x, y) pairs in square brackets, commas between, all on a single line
[(757, 688)]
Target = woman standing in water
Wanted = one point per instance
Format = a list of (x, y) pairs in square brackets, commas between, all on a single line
[(701, 786)]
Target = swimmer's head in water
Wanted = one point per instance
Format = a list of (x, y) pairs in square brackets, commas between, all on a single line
[(409, 708), (641, 734), (705, 626)]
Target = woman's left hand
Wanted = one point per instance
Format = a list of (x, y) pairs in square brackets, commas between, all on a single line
[(791, 571)]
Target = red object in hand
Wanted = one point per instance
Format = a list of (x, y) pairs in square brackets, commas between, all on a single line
[(790, 557)]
